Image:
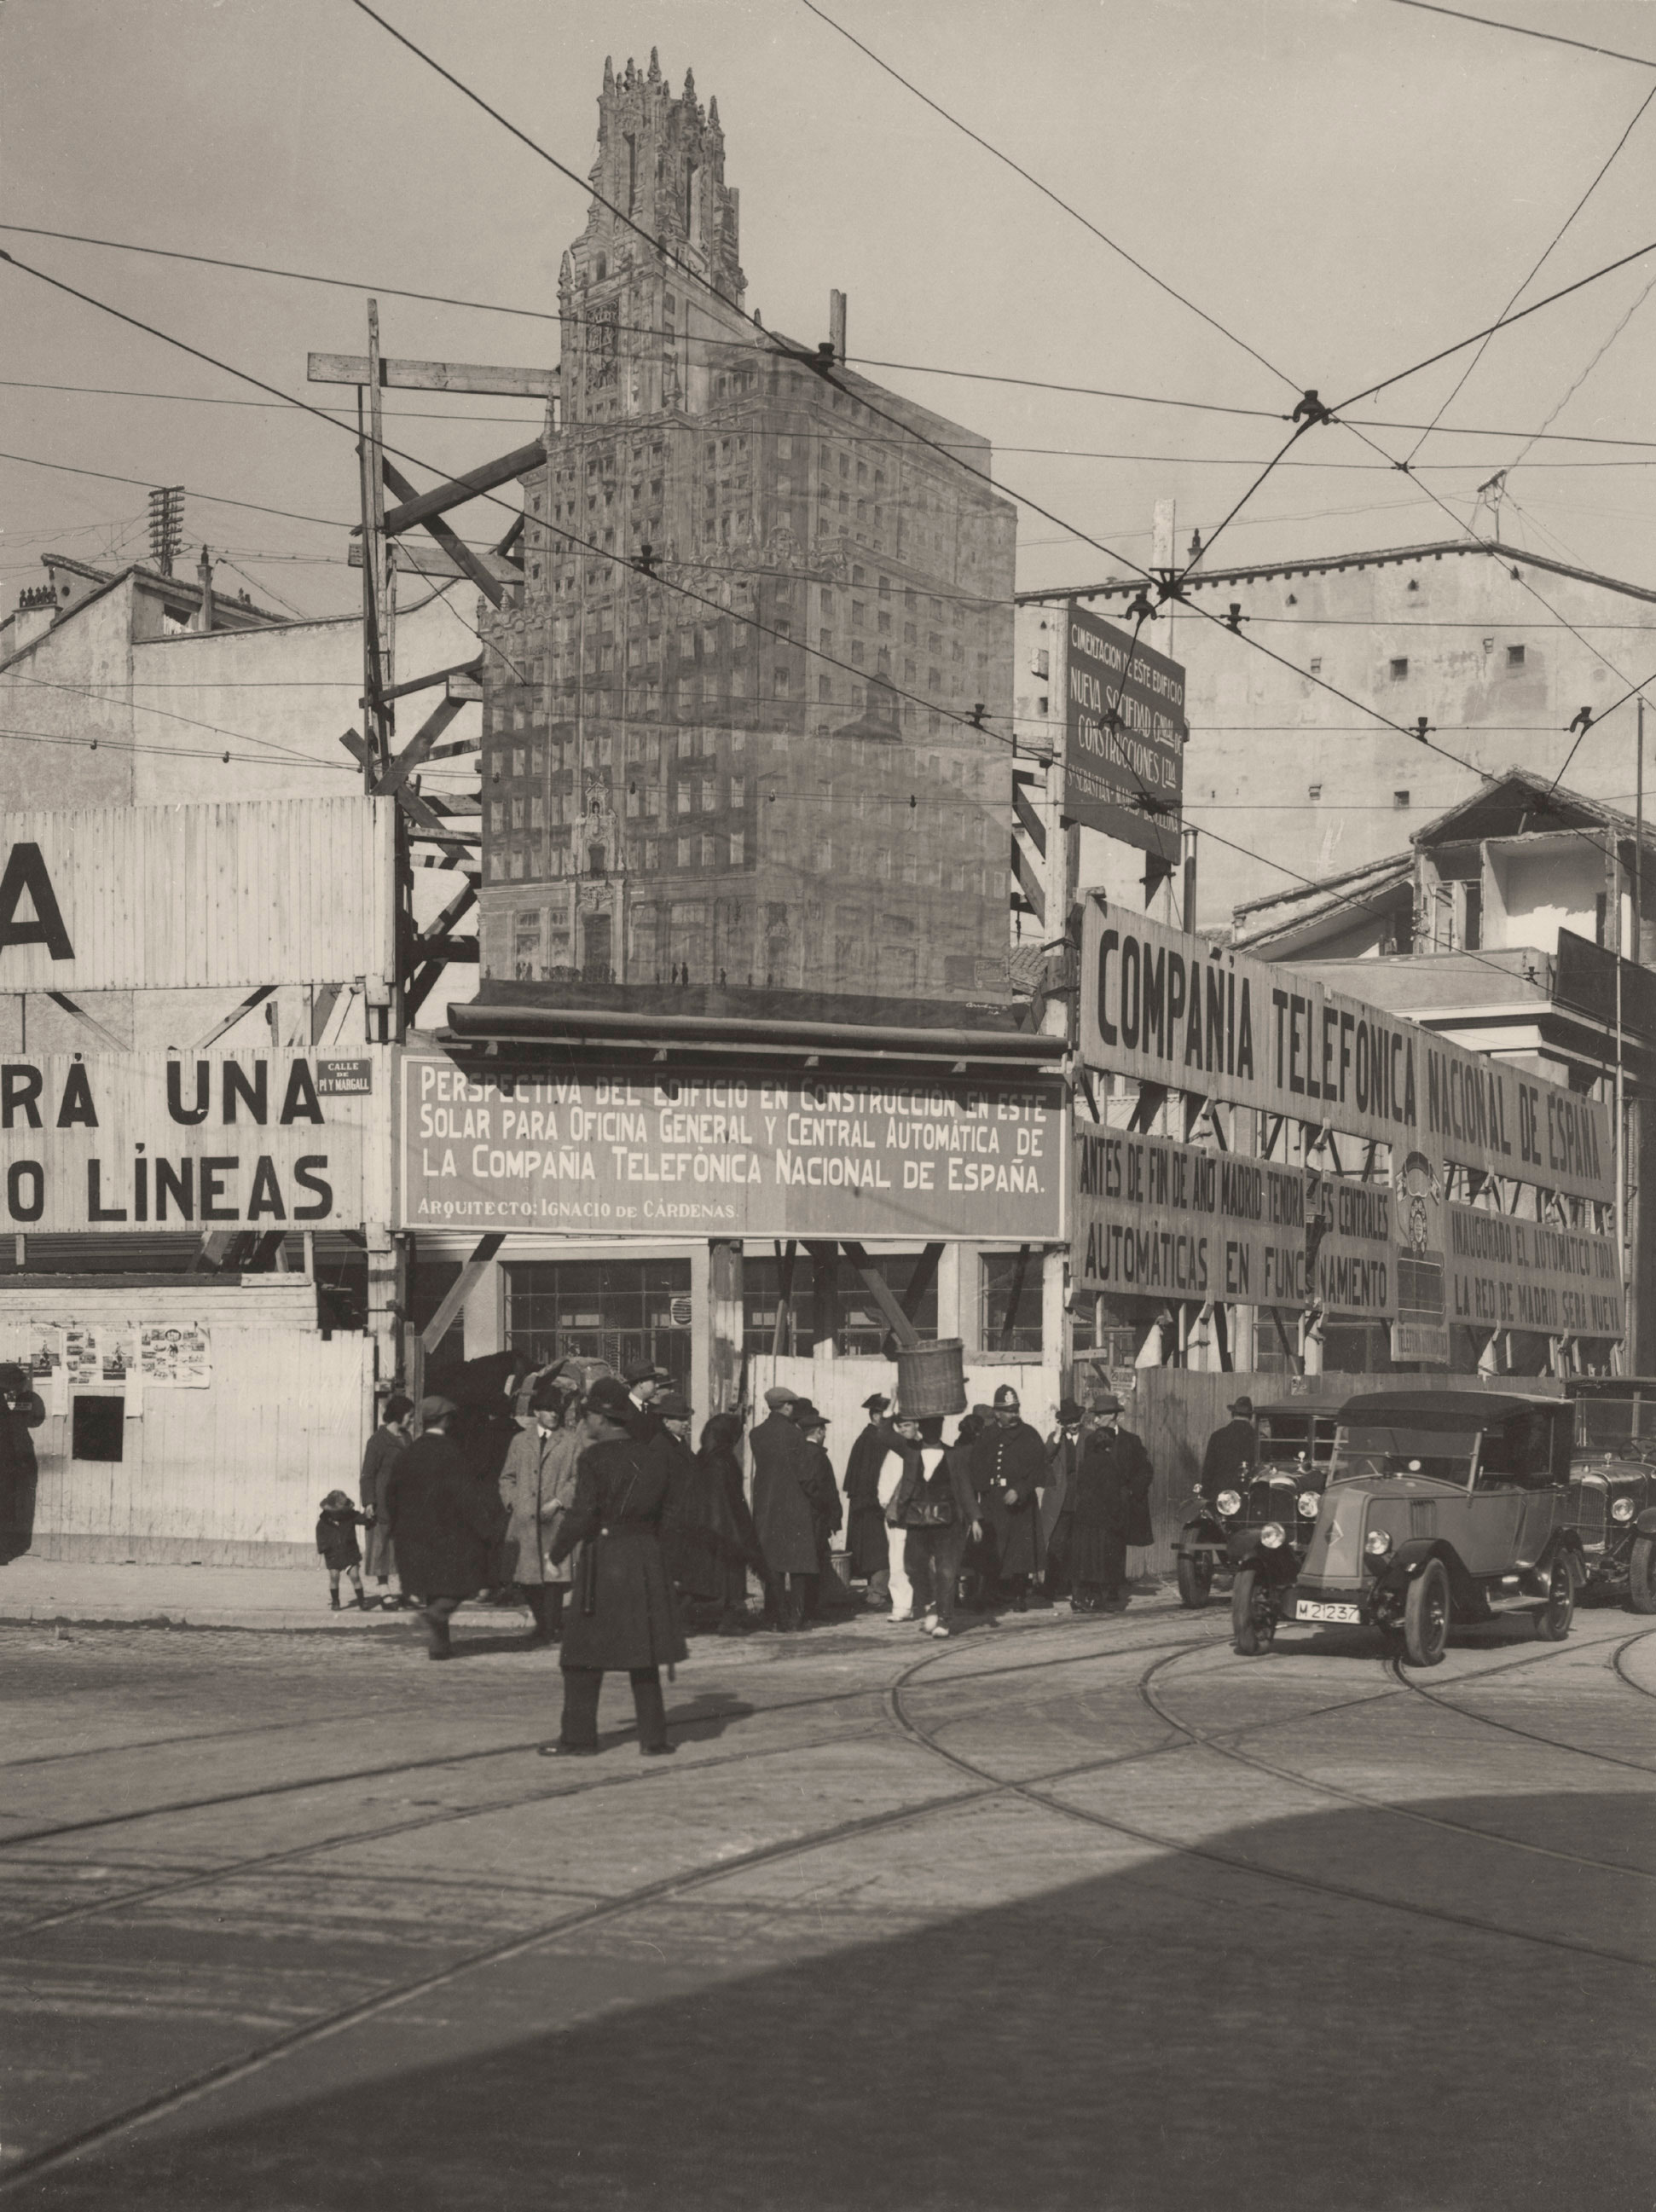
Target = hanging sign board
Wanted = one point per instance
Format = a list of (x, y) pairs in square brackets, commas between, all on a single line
[(621, 1157), (1124, 735), (1504, 1273), (1165, 1008), (247, 1140)]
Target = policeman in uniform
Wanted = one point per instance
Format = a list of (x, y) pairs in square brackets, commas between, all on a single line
[(1008, 1467)]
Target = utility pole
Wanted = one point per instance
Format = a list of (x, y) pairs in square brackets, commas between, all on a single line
[(379, 579)]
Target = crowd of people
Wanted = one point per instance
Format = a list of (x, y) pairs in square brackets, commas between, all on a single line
[(581, 1493)]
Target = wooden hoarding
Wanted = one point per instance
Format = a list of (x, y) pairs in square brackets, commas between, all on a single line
[(226, 893), (760, 1155), (1165, 1008), (245, 1140)]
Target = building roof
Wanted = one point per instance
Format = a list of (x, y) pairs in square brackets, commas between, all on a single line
[(181, 587), (1263, 571), (1357, 890)]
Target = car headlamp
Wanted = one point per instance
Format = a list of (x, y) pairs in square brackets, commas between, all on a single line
[(1377, 1543), (1273, 1535), (1228, 1502), (1621, 1509), (1308, 1502)]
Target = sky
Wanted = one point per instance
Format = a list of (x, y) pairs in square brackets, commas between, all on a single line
[(1342, 186)]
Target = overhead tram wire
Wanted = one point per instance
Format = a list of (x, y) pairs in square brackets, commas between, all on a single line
[(859, 360), (1047, 192), (1527, 281), (1523, 31)]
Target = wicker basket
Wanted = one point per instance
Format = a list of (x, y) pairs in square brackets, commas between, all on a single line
[(932, 1378)]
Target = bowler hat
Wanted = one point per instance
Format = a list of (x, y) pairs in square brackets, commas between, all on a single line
[(1006, 1395), (436, 1409), (14, 1378), (609, 1397), (673, 1405), (777, 1396), (1070, 1412), (874, 1403), (807, 1416), (1243, 1406)]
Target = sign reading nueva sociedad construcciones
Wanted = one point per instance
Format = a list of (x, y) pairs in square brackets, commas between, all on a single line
[(615, 1155), (1166, 1009), (1124, 735)]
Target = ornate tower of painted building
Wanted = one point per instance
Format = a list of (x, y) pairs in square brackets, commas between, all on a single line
[(627, 323)]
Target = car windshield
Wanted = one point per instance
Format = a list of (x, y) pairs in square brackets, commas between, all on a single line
[(1361, 1449), (1617, 1424)]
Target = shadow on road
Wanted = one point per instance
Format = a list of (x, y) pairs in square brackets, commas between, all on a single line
[(1171, 2038)]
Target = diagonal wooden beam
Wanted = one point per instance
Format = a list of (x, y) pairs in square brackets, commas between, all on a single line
[(880, 1290), (455, 546), (460, 1290), (430, 683), (458, 850), (784, 1298), (397, 772), (920, 1281), (1015, 1296), (458, 490), (432, 376)]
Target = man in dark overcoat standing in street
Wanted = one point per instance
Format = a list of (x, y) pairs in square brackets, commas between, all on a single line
[(620, 1612), (1062, 1456), (865, 1537), (1110, 1492), (781, 1508), (444, 1525), (1231, 1450), (1009, 1465)]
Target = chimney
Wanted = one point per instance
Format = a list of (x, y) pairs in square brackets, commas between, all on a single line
[(837, 326), (204, 571)]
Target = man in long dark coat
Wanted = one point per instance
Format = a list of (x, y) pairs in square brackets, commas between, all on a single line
[(1009, 1465), (1062, 1456), (1112, 1483), (622, 1612), (446, 1528), (865, 1537), (828, 1594), (781, 1508), (22, 1409), (1231, 1451)]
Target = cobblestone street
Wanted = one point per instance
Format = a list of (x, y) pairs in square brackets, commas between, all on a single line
[(1077, 1913)]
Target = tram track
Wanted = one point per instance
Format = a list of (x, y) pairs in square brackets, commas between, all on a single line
[(1409, 1681), (1035, 1791), (1215, 1740), (202, 1878), (664, 1889)]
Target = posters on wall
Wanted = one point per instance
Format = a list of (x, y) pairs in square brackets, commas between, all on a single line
[(1165, 1008), (175, 1355), (67, 1359)]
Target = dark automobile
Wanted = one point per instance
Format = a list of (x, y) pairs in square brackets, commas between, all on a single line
[(1296, 1443), (1441, 1506), (1613, 1477)]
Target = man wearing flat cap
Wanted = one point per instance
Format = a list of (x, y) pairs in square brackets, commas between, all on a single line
[(1009, 1466), (1231, 1451), (537, 1488), (781, 1508), (445, 1525)]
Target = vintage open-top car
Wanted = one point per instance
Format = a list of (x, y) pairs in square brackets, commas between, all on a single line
[(1441, 1506), (1296, 1440), (1613, 1475)]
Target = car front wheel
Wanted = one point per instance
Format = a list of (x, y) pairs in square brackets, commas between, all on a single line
[(1195, 1577), (1641, 1575), (1426, 1616), (1253, 1616), (1553, 1620)]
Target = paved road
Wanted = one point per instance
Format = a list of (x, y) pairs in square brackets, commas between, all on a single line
[(1077, 1912)]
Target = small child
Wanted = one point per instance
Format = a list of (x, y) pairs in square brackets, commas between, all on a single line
[(336, 1538)]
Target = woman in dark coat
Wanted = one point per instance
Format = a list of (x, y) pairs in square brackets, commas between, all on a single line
[(446, 1525), (865, 1537), (22, 1409), (384, 1447), (622, 1612), (721, 1463), (1111, 1479)]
